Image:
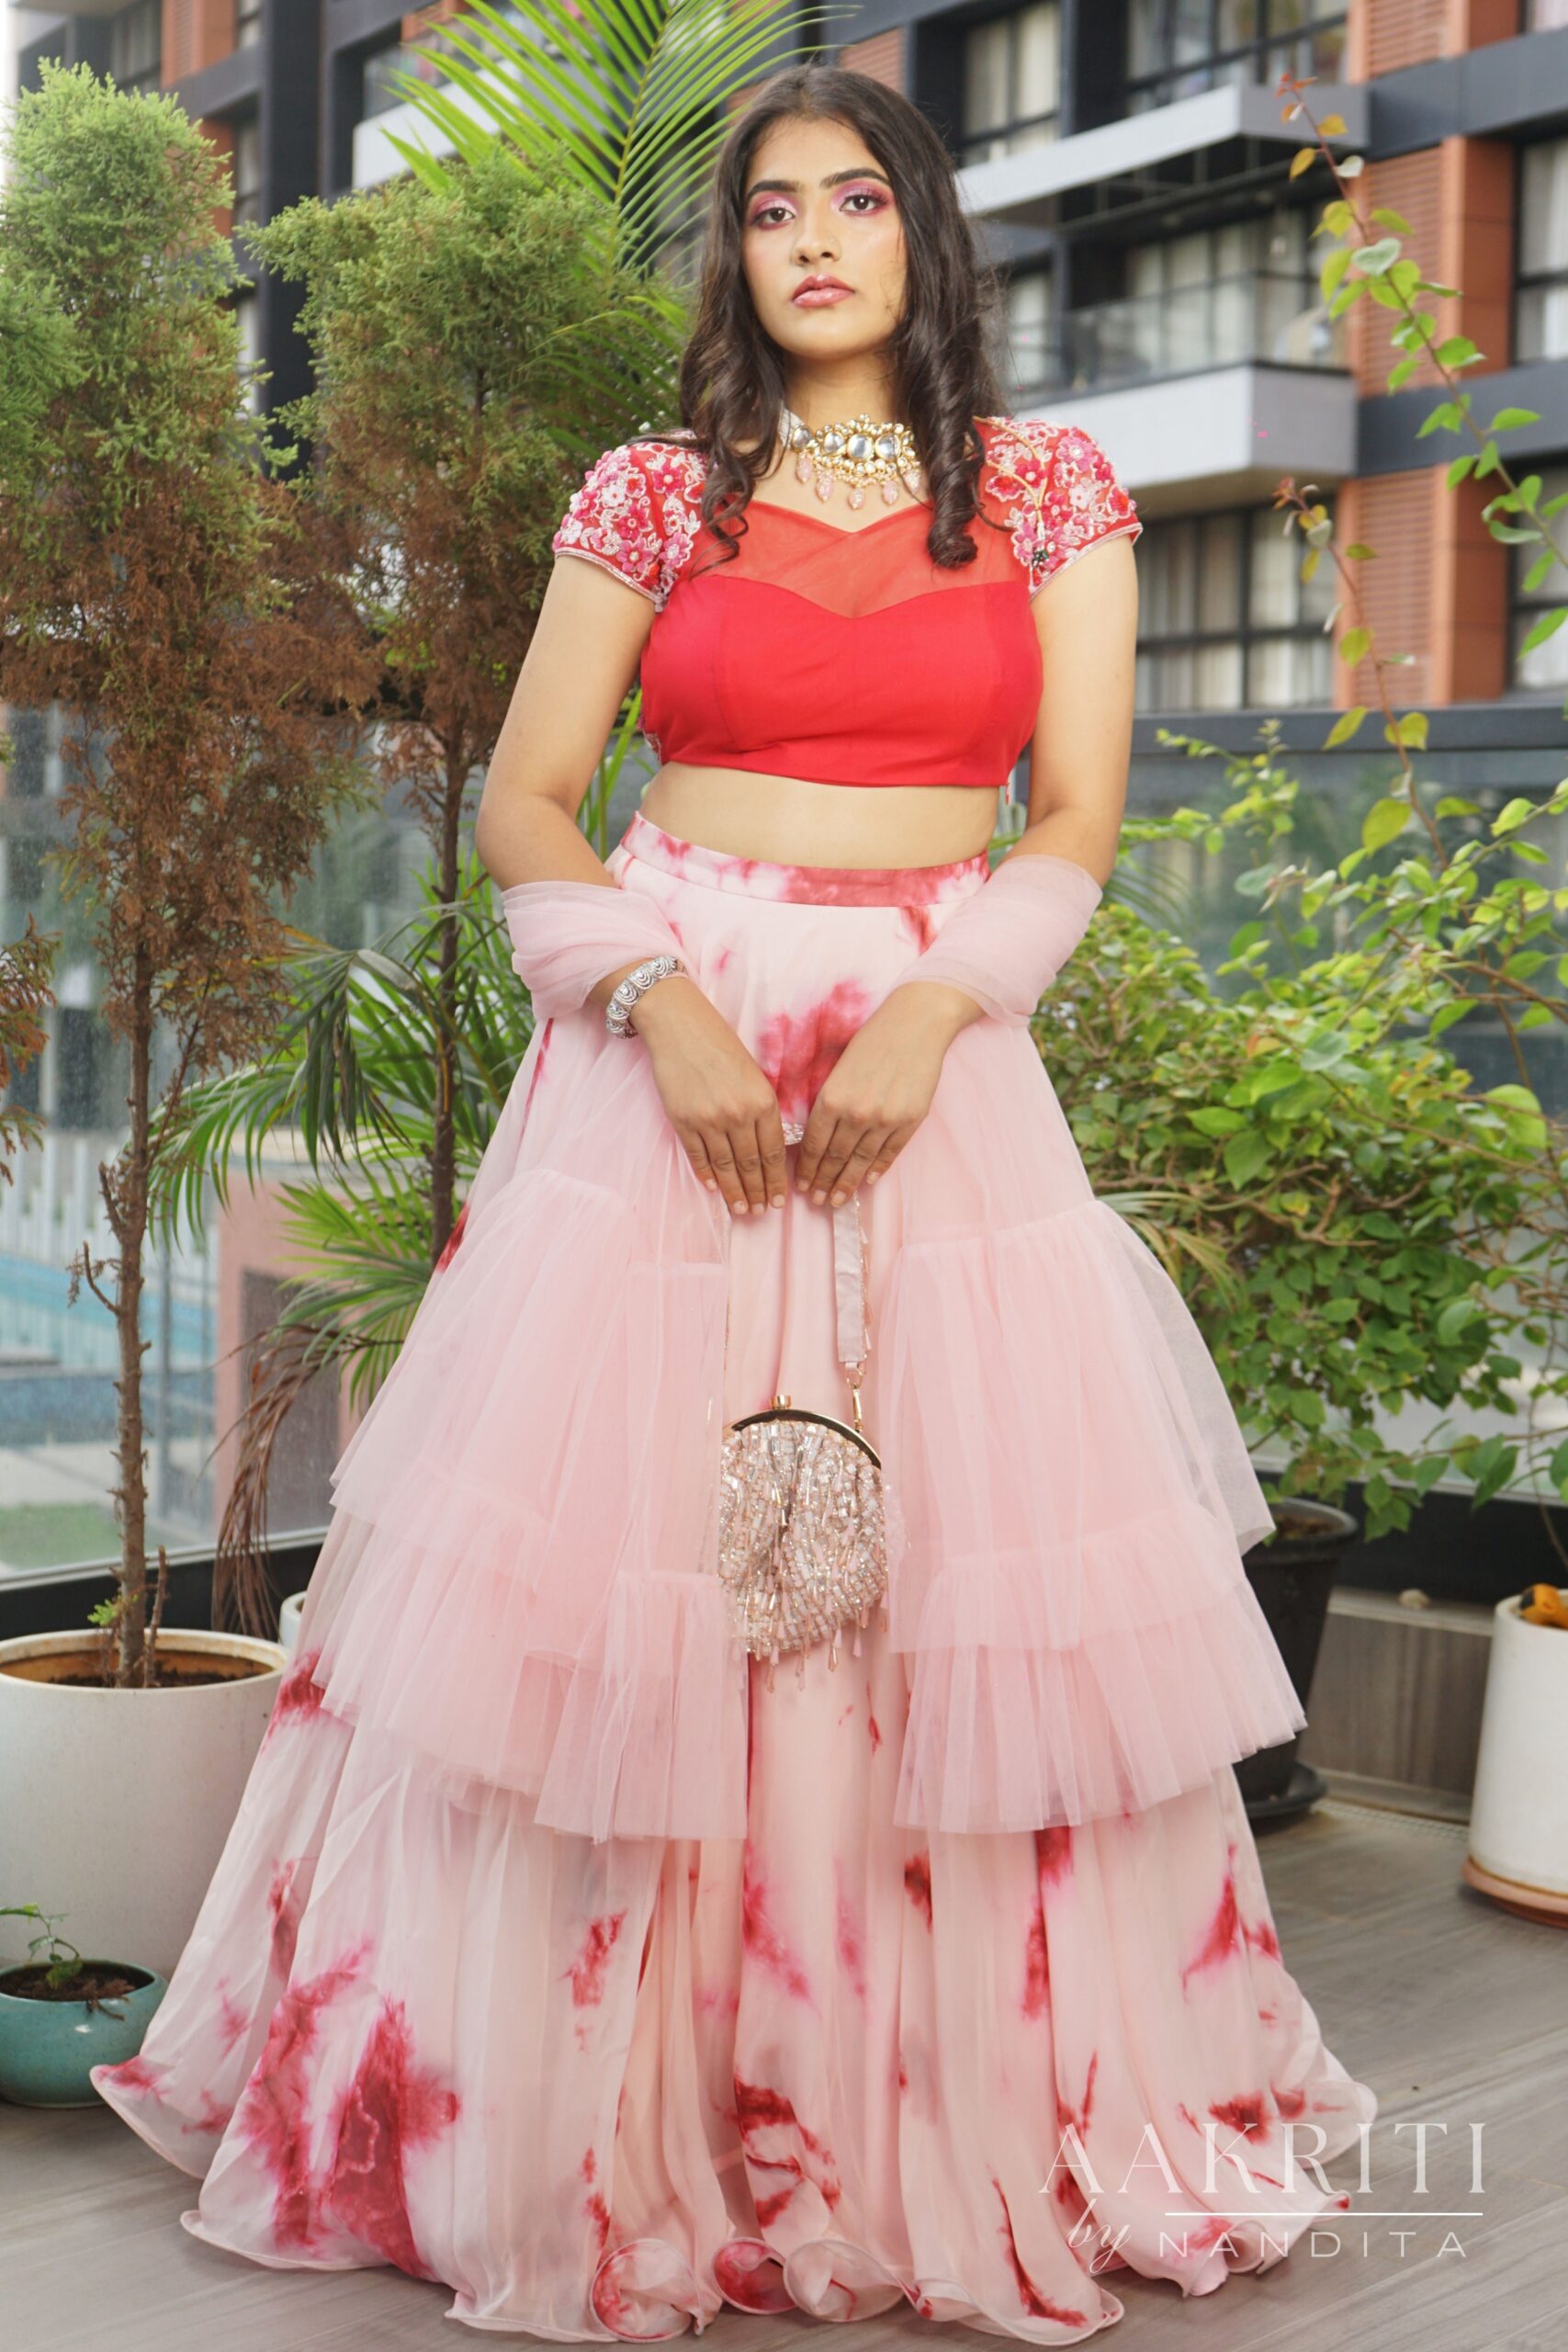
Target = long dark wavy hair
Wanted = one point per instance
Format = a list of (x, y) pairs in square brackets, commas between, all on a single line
[(731, 379)]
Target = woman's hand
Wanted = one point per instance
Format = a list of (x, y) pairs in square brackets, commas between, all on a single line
[(717, 1096), (880, 1088)]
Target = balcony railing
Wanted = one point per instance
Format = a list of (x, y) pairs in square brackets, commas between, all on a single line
[(1260, 316)]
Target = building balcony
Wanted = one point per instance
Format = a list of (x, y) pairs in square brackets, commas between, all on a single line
[(1141, 151), (1262, 318), (1223, 436)]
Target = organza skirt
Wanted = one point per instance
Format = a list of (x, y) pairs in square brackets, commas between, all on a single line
[(556, 1956)]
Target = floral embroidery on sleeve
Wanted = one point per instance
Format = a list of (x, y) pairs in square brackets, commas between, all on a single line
[(635, 513), (1060, 490)]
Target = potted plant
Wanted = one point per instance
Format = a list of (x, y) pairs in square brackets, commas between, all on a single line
[(1351, 1222), (1517, 1850), (61, 2014), (210, 686)]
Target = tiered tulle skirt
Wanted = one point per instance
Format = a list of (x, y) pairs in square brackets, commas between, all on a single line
[(556, 1956)]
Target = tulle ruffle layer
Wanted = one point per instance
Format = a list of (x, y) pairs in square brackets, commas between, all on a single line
[(602, 2089), (520, 1576)]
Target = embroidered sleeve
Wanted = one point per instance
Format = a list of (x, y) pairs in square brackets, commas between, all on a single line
[(1062, 493), (634, 515)]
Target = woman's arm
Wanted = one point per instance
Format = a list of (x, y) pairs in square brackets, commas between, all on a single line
[(882, 1085), (582, 660)]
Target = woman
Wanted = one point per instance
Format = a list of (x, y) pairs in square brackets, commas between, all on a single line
[(563, 1951)]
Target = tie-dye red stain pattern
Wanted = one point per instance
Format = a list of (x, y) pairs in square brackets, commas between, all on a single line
[(1039, 2306), (767, 2115), (391, 2105), (299, 1697), (1227, 1931), (762, 1939), (796, 1050)]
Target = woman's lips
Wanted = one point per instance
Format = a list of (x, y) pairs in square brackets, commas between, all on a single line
[(816, 297)]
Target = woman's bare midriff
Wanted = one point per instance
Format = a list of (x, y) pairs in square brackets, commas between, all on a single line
[(788, 821)]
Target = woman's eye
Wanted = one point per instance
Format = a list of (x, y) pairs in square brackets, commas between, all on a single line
[(865, 196)]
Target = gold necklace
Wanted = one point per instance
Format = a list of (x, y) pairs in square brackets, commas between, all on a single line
[(856, 451)]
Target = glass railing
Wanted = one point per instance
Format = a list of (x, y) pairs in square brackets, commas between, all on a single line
[(1144, 337)]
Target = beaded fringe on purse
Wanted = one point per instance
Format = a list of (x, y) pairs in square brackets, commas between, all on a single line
[(802, 1540)]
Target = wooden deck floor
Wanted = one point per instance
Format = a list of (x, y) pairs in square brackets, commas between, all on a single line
[(1455, 2012)]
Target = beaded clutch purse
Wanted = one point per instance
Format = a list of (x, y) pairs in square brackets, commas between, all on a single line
[(802, 1542)]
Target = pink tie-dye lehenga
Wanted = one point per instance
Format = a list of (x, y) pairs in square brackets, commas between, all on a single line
[(557, 1957)]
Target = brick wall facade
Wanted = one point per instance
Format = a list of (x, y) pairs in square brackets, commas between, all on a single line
[(195, 33)]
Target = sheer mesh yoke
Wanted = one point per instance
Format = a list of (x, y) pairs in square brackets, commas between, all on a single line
[(851, 572), (845, 654)]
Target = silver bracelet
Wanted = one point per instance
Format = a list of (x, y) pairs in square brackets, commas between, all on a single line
[(618, 1010)]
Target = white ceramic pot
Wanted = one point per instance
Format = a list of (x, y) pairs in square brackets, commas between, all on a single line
[(288, 1621), (1519, 1823), (115, 1804)]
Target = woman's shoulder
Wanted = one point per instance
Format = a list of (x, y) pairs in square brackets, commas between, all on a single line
[(1055, 487)]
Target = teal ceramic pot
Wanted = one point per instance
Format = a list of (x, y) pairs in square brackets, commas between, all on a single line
[(46, 2047)]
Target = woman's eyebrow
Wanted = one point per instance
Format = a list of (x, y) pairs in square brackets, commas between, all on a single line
[(830, 179)]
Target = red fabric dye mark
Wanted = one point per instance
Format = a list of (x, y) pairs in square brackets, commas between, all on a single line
[(798, 1050), (1248, 2113), (598, 2213), (1223, 1933), (1262, 1939), (918, 1883), (589, 1969), (876, 1728), (589, 2167), (272, 2112), (135, 2075), (1036, 1970), (232, 2022), (213, 2117), (1290, 2101), (285, 1911), (299, 1698), (1206, 2235), (849, 1936), (1037, 2305), (1075, 2118), (920, 924), (759, 2110), (761, 1938), (391, 2106), (1053, 1853), (454, 1239)]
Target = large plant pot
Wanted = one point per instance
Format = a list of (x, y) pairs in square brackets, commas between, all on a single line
[(1293, 1577), (1518, 1818), (288, 1621), (47, 2047), (115, 1804)]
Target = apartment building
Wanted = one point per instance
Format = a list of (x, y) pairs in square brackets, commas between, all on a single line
[(1130, 163)]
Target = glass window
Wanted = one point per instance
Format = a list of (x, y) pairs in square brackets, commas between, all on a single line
[(1542, 297), (1012, 82), (1213, 298), (247, 23), (246, 169), (1226, 622), (1175, 48), (205, 1302), (1030, 312), (136, 46)]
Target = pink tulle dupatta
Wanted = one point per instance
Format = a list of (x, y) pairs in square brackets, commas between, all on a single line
[(567, 935), (1005, 944)]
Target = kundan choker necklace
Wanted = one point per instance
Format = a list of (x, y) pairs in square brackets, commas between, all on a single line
[(855, 451)]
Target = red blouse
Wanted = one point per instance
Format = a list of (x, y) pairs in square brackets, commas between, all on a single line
[(846, 655)]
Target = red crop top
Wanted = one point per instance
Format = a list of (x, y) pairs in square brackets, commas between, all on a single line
[(845, 655)]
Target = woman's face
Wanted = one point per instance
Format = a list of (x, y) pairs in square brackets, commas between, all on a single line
[(818, 205)]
